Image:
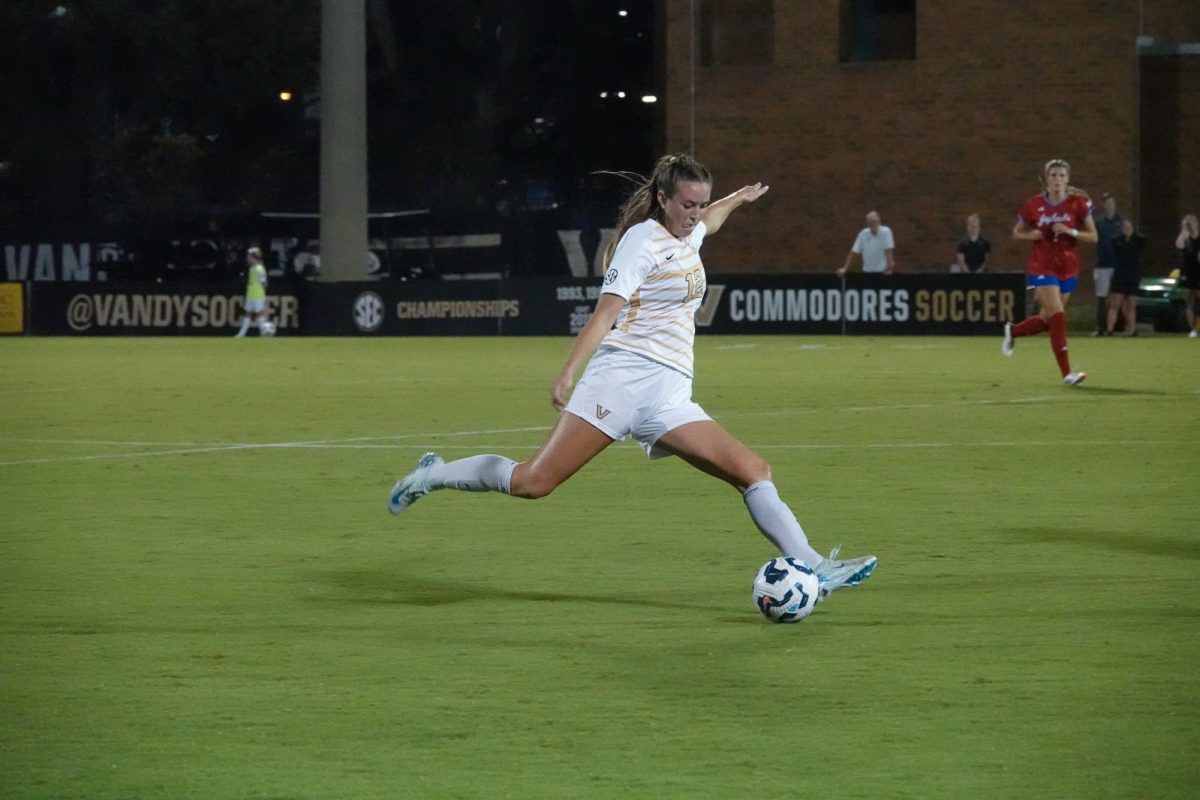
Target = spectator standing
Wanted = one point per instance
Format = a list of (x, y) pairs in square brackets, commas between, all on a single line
[(1188, 245), (973, 250), (1108, 228), (1122, 296), (875, 245)]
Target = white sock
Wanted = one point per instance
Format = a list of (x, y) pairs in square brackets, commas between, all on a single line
[(777, 522), (474, 474), (245, 326)]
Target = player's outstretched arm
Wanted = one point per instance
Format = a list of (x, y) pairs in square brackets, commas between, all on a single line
[(718, 211), (586, 342)]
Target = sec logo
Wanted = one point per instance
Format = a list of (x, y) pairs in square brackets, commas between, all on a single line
[(610, 277), (368, 312)]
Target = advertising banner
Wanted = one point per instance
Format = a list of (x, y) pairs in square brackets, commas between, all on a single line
[(58, 309), (916, 304), (512, 307), (862, 303), (12, 308)]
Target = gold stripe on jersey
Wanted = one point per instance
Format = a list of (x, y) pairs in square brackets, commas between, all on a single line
[(658, 320), (632, 307)]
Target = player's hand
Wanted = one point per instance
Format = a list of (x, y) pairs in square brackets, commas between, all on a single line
[(841, 271), (1035, 234), (560, 391), (748, 194)]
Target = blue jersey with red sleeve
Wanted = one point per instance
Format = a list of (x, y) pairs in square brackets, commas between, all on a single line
[(1055, 253)]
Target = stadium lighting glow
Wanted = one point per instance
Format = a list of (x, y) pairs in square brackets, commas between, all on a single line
[(649, 98), (622, 13), (285, 96), (621, 95), (604, 94)]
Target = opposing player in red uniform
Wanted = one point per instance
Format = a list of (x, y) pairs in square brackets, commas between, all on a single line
[(1055, 221)]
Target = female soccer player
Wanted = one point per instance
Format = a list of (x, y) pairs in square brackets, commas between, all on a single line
[(254, 306), (1055, 221), (638, 381)]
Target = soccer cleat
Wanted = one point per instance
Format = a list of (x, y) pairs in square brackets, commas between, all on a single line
[(413, 486), (1074, 378), (1194, 334), (834, 573), (1006, 346)]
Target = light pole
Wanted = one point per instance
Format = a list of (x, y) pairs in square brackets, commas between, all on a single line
[(343, 140)]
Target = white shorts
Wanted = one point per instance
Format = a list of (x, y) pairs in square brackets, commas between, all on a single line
[(1103, 281), (624, 394), (254, 305)]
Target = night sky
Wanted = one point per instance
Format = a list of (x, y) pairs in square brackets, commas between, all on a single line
[(123, 111)]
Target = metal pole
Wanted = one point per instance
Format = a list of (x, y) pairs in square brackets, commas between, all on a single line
[(343, 140), (692, 83)]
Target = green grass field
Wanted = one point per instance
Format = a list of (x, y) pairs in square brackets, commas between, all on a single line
[(202, 595)]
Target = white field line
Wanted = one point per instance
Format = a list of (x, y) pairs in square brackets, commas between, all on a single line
[(943, 445), (108, 442), (218, 447), (780, 412), (357, 442), (481, 447)]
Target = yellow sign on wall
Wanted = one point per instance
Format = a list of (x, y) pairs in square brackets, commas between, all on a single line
[(12, 308)]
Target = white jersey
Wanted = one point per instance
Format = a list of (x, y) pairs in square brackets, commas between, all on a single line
[(661, 279)]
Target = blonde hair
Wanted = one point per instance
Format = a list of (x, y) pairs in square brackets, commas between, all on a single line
[(643, 203), (1059, 162)]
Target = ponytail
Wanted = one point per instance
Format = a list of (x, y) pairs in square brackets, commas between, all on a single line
[(643, 203)]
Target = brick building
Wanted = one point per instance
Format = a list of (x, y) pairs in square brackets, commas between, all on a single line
[(928, 110)]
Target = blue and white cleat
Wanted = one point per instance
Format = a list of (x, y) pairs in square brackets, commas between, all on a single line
[(1007, 345), (413, 486), (834, 573)]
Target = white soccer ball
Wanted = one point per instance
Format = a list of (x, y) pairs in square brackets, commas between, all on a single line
[(267, 329), (786, 589)]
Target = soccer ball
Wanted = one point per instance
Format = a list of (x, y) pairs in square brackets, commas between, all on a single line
[(786, 589), (267, 328)]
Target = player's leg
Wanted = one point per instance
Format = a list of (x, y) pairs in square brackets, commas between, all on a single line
[(712, 449), (571, 444), (1190, 309), (1054, 301), (1038, 322), (245, 324)]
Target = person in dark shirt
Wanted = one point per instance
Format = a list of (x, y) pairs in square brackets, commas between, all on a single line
[(1122, 295), (973, 250), (1188, 245), (1108, 225)]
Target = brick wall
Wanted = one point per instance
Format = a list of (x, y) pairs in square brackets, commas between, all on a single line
[(996, 89)]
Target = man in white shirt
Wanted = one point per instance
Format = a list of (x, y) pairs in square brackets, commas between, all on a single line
[(876, 245)]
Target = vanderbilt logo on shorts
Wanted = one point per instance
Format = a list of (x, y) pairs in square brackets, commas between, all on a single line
[(601, 411)]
